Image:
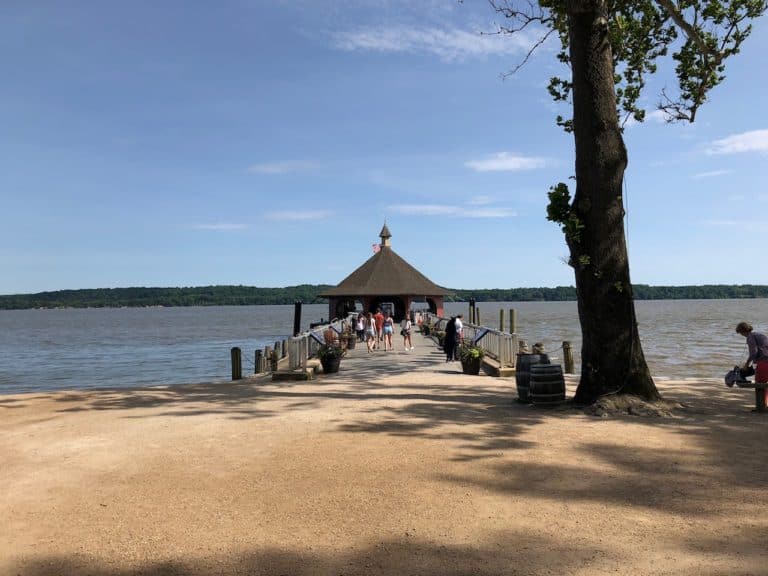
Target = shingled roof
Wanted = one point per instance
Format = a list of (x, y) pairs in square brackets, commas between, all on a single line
[(386, 273)]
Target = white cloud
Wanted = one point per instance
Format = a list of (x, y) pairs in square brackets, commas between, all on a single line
[(451, 211), (280, 167), (298, 215), (507, 162), (447, 44), (753, 141), (712, 173), (219, 226), (657, 116)]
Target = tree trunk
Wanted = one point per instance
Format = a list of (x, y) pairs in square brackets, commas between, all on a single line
[(611, 354)]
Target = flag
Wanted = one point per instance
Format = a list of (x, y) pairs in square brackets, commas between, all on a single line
[(376, 248)]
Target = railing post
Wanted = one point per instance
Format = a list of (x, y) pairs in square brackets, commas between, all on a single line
[(237, 364), (512, 321), (568, 358), (501, 320), (267, 358), (257, 362), (294, 352)]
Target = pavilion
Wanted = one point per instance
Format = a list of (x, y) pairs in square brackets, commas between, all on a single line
[(384, 281)]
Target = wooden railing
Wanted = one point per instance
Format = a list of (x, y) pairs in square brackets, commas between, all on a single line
[(304, 346), (499, 345)]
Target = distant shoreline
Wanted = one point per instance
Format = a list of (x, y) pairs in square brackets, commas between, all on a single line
[(141, 297)]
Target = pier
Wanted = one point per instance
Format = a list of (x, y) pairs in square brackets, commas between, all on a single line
[(295, 358)]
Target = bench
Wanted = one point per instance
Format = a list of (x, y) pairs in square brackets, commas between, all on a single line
[(760, 388)]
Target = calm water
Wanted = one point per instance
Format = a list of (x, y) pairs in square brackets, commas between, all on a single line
[(64, 349)]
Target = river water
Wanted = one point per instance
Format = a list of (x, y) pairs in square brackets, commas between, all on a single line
[(75, 349)]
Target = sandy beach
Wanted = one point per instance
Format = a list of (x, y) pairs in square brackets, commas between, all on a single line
[(391, 466)]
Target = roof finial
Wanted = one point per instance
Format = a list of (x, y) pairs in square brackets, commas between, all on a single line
[(385, 235)]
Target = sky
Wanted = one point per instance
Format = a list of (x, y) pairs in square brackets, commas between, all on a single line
[(265, 143)]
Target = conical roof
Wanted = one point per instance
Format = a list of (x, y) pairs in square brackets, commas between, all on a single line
[(386, 273)]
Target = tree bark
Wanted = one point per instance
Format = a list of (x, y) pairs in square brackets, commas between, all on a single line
[(612, 356)]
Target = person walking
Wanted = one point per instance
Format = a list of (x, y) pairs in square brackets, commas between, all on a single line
[(370, 332), (449, 340), (388, 327), (360, 327), (379, 319), (405, 330)]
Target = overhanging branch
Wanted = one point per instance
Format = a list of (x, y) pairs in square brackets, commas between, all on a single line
[(691, 32)]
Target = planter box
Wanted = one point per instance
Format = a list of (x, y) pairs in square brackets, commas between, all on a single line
[(471, 366), (330, 365)]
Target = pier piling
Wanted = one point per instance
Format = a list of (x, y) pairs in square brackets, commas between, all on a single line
[(568, 358), (237, 364), (257, 361)]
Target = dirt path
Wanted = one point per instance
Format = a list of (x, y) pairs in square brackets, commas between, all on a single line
[(379, 470)]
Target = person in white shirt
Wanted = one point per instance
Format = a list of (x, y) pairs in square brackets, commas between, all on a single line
[(405, 330), (459, 329)]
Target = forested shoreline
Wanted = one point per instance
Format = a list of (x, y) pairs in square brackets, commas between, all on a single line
[(308, 294)]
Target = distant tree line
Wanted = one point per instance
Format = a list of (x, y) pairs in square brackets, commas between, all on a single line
[(641, 292), (308, 294), (143, 297)]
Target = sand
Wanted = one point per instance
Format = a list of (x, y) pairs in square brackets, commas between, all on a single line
[(388, 467)]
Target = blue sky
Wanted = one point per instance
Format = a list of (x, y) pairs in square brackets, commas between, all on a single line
[(265, 143)]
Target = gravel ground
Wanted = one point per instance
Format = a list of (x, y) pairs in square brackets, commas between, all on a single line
[(399, 464)]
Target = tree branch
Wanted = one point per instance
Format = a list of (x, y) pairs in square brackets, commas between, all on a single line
[(690, 31)]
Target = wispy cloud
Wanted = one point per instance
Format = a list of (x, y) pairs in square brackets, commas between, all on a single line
[(285, 167), (712, 173), (480, 200), (506, 162), (488, 213), (452, 211), (753, 141), (298, 215), (219, 226), (739, 225), (424, 209), (449, 44)]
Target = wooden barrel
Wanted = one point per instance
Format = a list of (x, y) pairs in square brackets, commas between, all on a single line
[(523, 373), (547, 385)]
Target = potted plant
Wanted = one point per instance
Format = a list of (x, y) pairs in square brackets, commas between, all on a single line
[(440, 337), (330, 357), (348, 340), (471, 356)]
